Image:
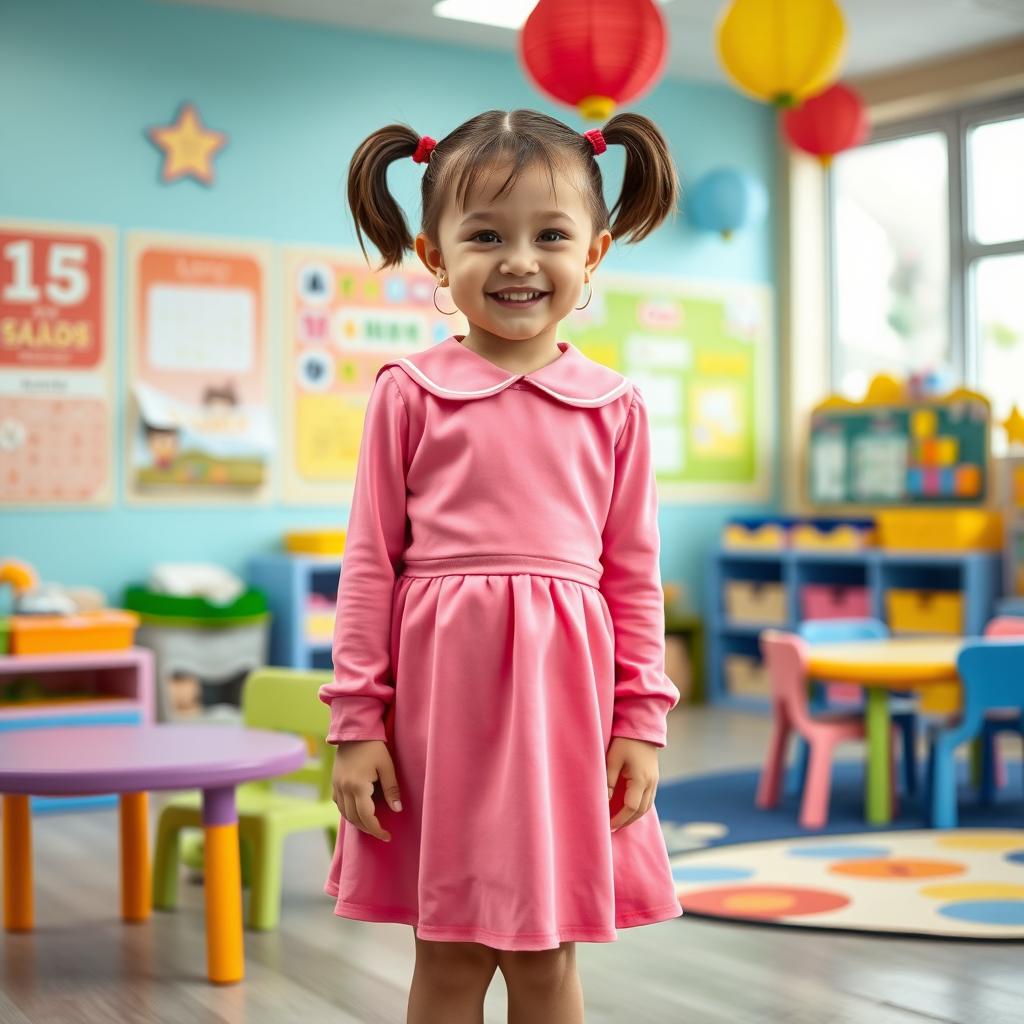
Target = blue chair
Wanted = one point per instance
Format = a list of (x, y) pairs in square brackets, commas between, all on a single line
[(902, 708), (992, 673), (991, 771), (995, 723)]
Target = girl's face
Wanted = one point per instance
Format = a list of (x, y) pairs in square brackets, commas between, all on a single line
[(528, 239)]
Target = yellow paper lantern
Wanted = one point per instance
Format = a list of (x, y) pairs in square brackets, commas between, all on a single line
[(781, 51)]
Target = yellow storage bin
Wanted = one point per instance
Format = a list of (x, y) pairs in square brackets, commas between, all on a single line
[(320, 612), (746, 676), (934, 529), (109, 629), (319, 626), (767, 537), (755, 602), (808, 537), (925, 611), (940, 699), (315, 542)]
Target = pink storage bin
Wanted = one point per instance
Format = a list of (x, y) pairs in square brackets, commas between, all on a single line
[(837, 601), (834, 601), (844, 693)]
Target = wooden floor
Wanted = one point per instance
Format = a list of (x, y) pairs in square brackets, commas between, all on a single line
[(82, 964)]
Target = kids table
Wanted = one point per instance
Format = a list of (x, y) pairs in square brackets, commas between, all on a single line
[(84, 760), (898, 663)]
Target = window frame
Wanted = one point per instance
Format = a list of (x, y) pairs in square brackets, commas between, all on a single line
[(964, 252)]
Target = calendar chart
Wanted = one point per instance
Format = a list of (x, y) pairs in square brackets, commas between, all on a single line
[(56, 364)]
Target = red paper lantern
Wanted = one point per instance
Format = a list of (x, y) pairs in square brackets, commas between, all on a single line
[(828, 123), (594, 54)]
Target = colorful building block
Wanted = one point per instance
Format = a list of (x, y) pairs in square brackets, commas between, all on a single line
[(968, 481), (947, 450), (924, 423)]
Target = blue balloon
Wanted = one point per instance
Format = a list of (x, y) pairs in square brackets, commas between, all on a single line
[(725, 200)]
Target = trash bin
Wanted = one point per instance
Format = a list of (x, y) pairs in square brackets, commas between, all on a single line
[(203, 651)]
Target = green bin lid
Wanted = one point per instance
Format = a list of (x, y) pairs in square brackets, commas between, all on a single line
[(249, 604)]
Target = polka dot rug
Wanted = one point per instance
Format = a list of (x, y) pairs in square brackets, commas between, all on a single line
[(962, 883), (733, 861)]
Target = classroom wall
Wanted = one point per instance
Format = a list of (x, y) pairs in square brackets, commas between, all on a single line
[(81, 82)]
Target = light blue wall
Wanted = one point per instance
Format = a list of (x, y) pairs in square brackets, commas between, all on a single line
[(79, 82)]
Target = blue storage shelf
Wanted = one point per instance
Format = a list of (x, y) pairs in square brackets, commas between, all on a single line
[(976, 574), (288, 580), (1011, 606)]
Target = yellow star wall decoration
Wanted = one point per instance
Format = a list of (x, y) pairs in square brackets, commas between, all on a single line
[(188, 146), (1014, 426)]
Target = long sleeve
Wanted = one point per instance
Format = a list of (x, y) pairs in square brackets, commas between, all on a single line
[(631, 584), (363, 686)]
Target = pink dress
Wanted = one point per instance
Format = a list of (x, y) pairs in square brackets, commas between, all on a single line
[(500, 618)]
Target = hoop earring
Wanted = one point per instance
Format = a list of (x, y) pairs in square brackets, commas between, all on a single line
[(589, 297), (443, 283)]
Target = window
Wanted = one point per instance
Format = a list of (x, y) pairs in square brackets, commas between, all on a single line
[(998, 327), (891, 239), (927, 254), (995, 161)]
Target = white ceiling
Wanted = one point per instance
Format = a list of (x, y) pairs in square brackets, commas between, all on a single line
[(882, 34)]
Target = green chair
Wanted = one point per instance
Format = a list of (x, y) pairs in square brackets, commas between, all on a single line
[(283, 700)]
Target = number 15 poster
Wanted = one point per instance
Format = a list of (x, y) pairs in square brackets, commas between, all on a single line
[(56, 363)]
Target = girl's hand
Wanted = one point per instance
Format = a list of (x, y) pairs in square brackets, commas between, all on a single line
[(637, 761), (358, 764)]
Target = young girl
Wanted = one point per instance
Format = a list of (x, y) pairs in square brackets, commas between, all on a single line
[(499, 693)]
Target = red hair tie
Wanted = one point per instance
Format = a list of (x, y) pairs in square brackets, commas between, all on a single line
[(596, 140), (424, 149)]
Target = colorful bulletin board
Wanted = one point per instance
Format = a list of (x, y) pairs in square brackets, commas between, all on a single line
[(701, 356), (343, 321), (56, 363), (931, 452), (199, 424)]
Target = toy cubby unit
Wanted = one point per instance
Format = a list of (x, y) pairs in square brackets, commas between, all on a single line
[(914, 592), (76, 688), (301, 592)]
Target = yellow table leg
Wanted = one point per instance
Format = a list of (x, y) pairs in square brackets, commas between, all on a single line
[(135, 869), (18, 909), (225, 957)]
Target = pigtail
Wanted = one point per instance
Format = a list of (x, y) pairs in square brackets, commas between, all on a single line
[(650, 183), (374, 209)]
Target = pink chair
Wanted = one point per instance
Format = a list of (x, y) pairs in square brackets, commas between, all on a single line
[(1008, 719), (1005, 625), (785, 655)]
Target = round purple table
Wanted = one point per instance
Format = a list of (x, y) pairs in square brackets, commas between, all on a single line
[(81, 761)]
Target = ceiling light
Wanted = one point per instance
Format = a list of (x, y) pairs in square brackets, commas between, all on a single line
[(507, 14)]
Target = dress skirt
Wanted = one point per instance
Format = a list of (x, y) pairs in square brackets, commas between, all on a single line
[(499, 727)]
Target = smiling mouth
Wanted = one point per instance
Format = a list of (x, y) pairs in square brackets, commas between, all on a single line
[(538, 296)]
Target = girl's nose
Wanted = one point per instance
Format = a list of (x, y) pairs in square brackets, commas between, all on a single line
[(519, 264)]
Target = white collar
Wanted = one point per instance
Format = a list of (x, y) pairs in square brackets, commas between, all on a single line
[(450, 370)]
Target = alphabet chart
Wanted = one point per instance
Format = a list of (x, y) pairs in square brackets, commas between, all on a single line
[(343, 321)]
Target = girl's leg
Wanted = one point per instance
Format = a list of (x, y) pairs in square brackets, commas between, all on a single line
[(543, 986), (450, 981)]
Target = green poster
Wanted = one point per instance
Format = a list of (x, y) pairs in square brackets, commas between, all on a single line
[(700, 355)]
